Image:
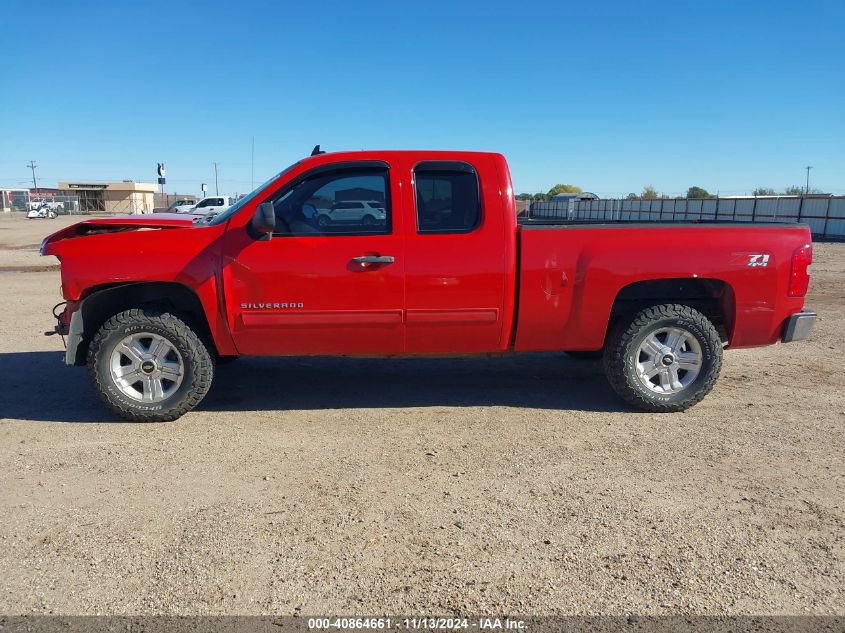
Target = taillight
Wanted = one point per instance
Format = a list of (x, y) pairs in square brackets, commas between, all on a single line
[(799, 276)]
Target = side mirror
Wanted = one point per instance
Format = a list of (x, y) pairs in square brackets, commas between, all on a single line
[(264, 220)]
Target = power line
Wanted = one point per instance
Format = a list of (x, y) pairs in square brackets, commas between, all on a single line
[(216, 191)]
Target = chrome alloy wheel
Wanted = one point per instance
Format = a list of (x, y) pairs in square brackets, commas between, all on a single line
[(668, 360), (146, 367)]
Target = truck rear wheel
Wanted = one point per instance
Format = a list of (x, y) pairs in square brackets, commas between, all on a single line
[(149, 366), (665, 358)]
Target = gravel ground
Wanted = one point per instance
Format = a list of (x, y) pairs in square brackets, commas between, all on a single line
[(518, 485)]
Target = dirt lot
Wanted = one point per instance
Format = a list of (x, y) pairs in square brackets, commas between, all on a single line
[(344, 486)]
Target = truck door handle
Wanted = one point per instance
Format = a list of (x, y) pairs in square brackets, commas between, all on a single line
[(367, 260)]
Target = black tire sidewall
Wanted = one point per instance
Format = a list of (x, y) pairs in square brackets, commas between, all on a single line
[(112, 392), (708, 361)]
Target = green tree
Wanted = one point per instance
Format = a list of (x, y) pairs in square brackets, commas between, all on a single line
[(563, 189), (764, 191), (632, 196), (793, 191), (649, 193), (524, 196), (699, 192)]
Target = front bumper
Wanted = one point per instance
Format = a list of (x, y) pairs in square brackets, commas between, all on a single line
[(799, 326)]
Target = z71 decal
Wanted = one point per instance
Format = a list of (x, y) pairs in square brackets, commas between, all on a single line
[(752, 260)]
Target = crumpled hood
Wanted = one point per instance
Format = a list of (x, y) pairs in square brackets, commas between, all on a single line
[(116, 225)]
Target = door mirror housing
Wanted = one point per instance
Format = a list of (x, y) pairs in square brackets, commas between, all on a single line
[(264, 221)]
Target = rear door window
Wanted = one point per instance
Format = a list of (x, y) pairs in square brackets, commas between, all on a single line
[(447, 197)]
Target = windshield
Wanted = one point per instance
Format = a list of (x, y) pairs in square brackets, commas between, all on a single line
[(222, 217)]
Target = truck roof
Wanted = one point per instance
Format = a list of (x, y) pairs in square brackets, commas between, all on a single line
[(377, 154)]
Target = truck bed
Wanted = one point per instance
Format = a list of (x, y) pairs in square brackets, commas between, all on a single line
[(572, 273)]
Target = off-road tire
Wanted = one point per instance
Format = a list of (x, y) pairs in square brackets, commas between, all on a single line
[(622, 348), (198, 365)]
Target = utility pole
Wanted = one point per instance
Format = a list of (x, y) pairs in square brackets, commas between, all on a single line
[(216, 191), (807, 189), (252, 183), (32, 166)]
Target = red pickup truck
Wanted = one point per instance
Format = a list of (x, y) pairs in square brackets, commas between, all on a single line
[(391, 253)]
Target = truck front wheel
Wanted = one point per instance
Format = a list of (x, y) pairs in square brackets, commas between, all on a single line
[(665, 358), (149, 366)]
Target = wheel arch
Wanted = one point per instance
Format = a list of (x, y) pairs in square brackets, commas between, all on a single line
[(712, 297), (102, 302)]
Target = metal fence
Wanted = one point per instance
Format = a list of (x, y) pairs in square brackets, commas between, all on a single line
[(824, 214)]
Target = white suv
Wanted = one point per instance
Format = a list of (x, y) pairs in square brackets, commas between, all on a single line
[(366, 212), (212, 204)]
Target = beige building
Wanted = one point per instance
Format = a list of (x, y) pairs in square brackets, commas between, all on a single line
[(112, 197)]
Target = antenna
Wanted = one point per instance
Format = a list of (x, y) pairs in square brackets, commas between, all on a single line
[(316, 150)]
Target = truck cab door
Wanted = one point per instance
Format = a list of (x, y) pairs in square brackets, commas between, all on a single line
[(455, 259), (318, 288)]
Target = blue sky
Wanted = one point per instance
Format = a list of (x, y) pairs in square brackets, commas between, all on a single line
[(610, 96)]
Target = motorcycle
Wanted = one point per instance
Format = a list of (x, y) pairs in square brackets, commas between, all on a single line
[(43, 211)]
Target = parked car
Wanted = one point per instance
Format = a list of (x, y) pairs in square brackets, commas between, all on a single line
[(451, 271), (182, 205), (210, 205), (365, 212)]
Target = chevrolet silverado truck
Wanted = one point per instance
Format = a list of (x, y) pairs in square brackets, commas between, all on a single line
[(153, 303)]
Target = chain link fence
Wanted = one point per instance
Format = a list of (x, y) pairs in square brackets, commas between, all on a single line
[(86, 202), (22, 201)]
